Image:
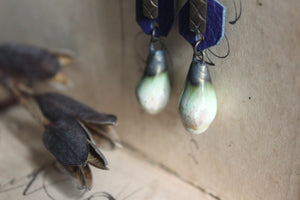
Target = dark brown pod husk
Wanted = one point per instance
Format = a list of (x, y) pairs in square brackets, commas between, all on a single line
[(67, 141), (88, 178), (76, 176), (103, 135), (81, 176), (28, 62), (57, 106), (96, 158)]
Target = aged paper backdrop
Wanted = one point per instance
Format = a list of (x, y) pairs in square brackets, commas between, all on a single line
[(252, 149)]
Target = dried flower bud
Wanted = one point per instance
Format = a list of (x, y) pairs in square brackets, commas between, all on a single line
[(28, 61)]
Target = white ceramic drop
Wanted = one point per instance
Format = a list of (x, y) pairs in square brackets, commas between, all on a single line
[(198, 102), (153, 90)]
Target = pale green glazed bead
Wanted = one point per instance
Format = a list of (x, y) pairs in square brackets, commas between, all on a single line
[(198, 101), (198, 107), (153, 92)]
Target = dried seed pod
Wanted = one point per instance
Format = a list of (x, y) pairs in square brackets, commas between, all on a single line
[(28, 62), (67, 141), (97, 125), (56, 106)]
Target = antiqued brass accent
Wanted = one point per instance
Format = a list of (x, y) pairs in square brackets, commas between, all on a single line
[(150, 8), (197, 18)]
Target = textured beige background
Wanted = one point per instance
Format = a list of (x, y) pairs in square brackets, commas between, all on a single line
[(252, 149)]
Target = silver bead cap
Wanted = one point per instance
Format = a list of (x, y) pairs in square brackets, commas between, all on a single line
[(198, 72), (156, 62)]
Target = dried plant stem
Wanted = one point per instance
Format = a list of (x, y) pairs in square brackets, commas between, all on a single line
[(30, 108), (25, 89), (8, 103), (15, 90)]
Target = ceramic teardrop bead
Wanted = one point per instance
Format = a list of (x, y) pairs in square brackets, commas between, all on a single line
[(198, 102), (153, 90)]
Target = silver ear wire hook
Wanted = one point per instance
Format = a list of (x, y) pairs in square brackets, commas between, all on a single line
[(154, 38), (199, 54)]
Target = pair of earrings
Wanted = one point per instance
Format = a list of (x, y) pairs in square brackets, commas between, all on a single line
[(201, 23)]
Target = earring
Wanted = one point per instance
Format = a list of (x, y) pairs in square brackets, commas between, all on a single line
[(155, 17), (201, 23)]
